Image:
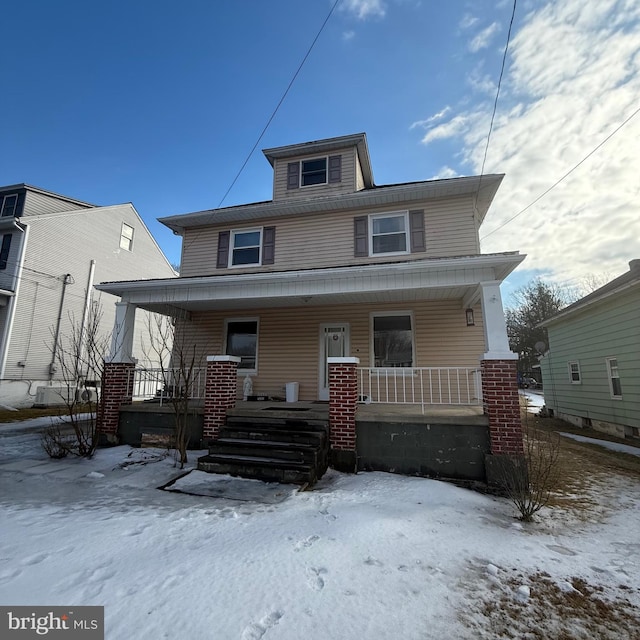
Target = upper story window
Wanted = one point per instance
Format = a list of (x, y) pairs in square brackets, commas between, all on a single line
[(313, 172), (4, 251), (388, 233), (9, 205), (574, 373), (245, 248), (615, 386), (126, 237)]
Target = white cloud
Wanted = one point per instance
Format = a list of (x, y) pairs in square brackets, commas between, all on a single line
[(468, 21), (364, 9), (445, 172), (573, 76), (436, 116), (483, 39), (348, 35)]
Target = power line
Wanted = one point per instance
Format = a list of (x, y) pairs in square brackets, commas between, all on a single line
[(566, 175), (495, 103)]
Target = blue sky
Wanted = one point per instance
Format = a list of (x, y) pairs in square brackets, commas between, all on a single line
[(159, 103)]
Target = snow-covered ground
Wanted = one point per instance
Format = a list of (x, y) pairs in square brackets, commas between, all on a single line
[(371, 555)]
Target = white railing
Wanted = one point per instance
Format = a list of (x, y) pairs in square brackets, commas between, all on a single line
[(162, 385), (420, 385)]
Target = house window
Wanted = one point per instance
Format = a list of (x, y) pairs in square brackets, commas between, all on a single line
[(388, 233), (245, 247), (9, 205), (574, 373), (615, 385), (393, 340), (313, 172), (242, 341), (126, 237), (4, 250)]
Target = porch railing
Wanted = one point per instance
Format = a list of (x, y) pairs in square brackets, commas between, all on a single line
[(420, 385), (162, 385)]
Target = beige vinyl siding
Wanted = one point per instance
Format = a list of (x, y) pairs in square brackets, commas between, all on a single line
[(326, 239), (346, 185), (289, 339), (38, 203), (65, 244)]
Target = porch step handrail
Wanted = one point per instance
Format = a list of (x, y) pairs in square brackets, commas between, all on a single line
[(420, 385), (165, 384)]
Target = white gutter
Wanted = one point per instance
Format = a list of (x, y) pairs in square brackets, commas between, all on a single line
[(11, 312), (85, 316)]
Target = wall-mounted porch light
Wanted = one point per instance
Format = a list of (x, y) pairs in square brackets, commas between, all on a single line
[(470, 320)]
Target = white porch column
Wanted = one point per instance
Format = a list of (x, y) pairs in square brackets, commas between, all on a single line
[(123, 330), (495, 328)]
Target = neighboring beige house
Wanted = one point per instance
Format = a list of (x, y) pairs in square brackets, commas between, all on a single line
[(53, 248), (335, 265)]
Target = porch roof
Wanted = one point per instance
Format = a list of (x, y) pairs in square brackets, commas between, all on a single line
[(427, 279)]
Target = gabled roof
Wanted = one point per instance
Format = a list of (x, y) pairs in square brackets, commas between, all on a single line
[(327, 145), (619, 285), (395, 195)]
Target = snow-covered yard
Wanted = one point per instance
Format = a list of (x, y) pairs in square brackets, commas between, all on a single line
[(371, 555)]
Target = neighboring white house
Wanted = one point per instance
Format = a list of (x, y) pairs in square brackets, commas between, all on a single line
[(52, 250)]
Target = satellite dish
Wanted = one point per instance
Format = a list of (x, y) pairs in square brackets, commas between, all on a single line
[(540, 346)]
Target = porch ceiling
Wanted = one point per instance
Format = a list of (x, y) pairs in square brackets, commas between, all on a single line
[(430, 279)]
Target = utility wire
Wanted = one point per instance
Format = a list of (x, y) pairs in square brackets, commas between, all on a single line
[(284, 95), (566, 175), (495, 103)]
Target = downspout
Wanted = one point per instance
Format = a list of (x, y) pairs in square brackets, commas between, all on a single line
[(85, 316), (11, 312), (54, 350)]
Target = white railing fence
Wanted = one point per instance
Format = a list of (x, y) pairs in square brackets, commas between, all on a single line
[(420, 385), (162, 385)]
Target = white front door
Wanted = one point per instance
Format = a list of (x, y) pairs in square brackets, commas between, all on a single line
[(334, 343)]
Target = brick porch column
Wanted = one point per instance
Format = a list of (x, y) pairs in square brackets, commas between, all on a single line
[(502, 406), (117, 389), (343, 399), (220, 393)]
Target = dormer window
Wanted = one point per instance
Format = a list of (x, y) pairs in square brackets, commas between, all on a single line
[(313, 172), (9, 205)]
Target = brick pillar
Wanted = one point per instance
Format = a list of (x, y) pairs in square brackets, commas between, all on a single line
[(117, 389), (502, 406), (220, 393), (343, 399)]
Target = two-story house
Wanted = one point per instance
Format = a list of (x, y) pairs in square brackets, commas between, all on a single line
[(53, 249), (335, 266)]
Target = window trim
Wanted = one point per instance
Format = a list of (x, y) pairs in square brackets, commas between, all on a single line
[(407, 232), (15, 205), (383, 314), (232, 237), (570, 364), (124, 237), (315, 184), (227, 321), (611, 377)]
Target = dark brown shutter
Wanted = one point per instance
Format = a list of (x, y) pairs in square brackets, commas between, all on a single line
[(335, 168), (293, 175), (360, 237), (223, 249), (416, 223), (268, 245)]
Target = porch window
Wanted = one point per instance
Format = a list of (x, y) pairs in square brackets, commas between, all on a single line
[(245, 247), (313, 172), (574, 373), (615, 386), (242, 341), (389, 233), (393, 340)]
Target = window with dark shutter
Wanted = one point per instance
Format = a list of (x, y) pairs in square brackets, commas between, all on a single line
[(416, 224), (335, 168), (268, 245), (293, 175), (360, 237), (4, 250), (223, 249)]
